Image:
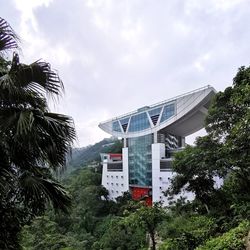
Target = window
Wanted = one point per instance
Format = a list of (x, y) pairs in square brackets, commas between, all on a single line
[(154, 114), (117, 184), (139, 122), (168, 111), (140, 163), (107, 183), (124, 123), (116, 126), (117, 177)]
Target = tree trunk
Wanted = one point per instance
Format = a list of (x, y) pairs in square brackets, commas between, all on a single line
[(152, 236), (206, 206)]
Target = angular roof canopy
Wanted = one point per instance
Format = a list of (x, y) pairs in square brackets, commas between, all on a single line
[(181, 115)]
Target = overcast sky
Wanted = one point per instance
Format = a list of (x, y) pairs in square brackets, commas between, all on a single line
[(115, 56)]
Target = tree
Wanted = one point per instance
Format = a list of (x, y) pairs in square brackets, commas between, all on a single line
[(148, 218), (33, 140), (224, 152), (228, 122), (196, 169)]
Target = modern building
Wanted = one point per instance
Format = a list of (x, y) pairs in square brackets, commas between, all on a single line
[(151, 135)]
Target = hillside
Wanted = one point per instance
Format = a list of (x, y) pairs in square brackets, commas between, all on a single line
[(81, 157)]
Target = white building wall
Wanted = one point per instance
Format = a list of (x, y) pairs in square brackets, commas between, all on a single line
[(160, 180), (116, 182)]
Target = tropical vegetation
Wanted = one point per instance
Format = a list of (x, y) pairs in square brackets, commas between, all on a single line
[(34, 141)]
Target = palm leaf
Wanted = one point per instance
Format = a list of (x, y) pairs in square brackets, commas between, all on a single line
[(38, 186), (8, 38), (38, 77)]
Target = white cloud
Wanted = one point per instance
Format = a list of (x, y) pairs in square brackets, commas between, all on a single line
[(115, 56), (200, 63)]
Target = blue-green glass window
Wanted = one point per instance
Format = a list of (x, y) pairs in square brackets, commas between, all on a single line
[(139, 122), (124, 123), (140, 162), (116, 126), (154, 112), (168, 111)]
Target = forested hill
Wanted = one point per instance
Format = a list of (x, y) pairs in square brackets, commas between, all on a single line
[(81, 157)]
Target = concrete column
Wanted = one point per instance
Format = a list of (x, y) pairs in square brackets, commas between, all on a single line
[(124, 142), (183, 142), (125, 168), (158, 152), (155, 137), (104, 173)]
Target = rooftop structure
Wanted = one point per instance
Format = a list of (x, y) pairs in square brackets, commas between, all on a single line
[(151, 134)]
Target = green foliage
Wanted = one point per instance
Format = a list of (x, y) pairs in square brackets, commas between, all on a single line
[(224, 152), (186, 232), (196, 169), (120, 235), (148, 218), (231, 240), (33, 141), (92, 223)]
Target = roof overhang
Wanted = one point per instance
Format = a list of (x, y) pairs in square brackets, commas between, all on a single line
[(189, 116)]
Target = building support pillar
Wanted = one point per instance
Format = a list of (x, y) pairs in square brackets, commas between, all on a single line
[(124, 142), (155, 137), (158, 152), (125, 168)]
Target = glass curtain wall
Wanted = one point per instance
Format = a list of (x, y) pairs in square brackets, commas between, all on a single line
[(140, 160)]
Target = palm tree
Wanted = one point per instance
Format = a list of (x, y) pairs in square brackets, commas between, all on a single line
[(33, 141)]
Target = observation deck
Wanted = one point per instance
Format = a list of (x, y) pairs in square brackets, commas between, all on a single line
[(181, 115)]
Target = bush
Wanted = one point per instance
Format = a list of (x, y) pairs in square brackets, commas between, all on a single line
[(231, 240), (186, 232)]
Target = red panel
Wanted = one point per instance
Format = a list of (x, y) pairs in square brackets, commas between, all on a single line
[(140, 193), (117, 156)]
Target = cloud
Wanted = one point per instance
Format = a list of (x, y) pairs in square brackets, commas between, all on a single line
[(116, 56)]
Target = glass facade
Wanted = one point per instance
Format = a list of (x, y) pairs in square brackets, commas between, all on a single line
[(155, 111), (116, 126), (140, 162), (139, 122), (168, 111), (124, 123), (154, 114)]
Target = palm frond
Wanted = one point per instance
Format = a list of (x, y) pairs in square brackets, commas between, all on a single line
[(45, 137), (38, 187), (8, 38), (37, 76), (58, 135)]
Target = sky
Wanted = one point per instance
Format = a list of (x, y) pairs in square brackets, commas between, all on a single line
[(115, 56)]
